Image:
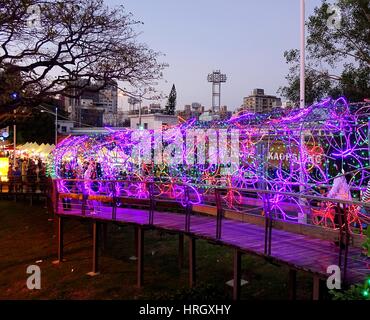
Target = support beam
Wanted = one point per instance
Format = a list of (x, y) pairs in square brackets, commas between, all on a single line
[(136, 239), (237, 274), (181, 251), (104, 232), (60, 227), (95, 266), (292, 284), (46, 204), (114, 209), (140, 256), (316, 288), (192, 264)]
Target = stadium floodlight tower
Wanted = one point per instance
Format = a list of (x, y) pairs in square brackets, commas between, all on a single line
[(216, 77)]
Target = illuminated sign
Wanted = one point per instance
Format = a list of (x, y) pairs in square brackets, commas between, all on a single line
[(4, 167)]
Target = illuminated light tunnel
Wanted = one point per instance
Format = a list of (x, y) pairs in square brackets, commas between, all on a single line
[(302, 151)]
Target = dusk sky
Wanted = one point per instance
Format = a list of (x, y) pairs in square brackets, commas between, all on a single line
[(245, 39)]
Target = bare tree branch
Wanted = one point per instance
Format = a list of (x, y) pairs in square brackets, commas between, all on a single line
[(76, 39)]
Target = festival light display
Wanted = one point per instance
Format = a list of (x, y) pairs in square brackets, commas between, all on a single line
[(298, 152)]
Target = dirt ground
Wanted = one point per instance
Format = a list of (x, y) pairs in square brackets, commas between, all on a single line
[(27, 237)]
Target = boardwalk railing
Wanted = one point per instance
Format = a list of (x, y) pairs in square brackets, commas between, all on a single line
[(27, 187), (25, 184), (313, 216)]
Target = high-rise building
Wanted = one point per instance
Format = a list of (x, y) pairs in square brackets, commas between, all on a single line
[(287, 105), (95, 104), (224, 113), (191, 111), (196, 106), (259, 102), (152, 121)]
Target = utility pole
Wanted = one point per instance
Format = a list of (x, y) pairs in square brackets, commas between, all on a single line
[(14, 138), (56, 126)]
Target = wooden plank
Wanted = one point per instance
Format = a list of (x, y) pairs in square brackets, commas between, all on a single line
[(60, 231), (95, 249)]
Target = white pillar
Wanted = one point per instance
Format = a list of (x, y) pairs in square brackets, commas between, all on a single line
[(56, 126), (302, 58)]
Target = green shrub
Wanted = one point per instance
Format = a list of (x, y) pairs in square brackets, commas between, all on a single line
[(355, 292)]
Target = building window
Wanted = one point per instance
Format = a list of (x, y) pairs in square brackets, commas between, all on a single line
[(145, 126)]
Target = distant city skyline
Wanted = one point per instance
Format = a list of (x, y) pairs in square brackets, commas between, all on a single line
[(244, 39)]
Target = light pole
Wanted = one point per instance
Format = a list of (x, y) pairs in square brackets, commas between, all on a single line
[(14, 139), (140, 113), (141, 93), (56, 126), (302, 58), (303, 218), (15, 97)]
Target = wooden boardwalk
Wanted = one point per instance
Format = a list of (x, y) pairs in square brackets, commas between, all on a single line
[(297, 251)]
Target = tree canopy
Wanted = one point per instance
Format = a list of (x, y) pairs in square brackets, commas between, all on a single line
[(338, 59)]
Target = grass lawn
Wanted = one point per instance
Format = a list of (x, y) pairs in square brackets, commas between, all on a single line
[(27, 237)]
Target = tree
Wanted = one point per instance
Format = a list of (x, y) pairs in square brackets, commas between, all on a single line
[(171, 103), (49, 45), (37, 127), (343, 46)]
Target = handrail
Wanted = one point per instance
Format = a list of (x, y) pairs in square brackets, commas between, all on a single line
[(220, 188)]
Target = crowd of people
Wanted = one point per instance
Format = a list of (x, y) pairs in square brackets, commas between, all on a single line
[(89, 170), (27, 175)]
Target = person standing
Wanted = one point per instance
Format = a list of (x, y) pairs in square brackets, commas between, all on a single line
[(90, 186), (340, 191), (31, 176), (24, 174)]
